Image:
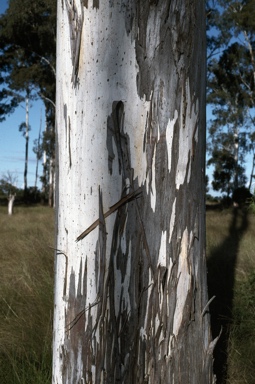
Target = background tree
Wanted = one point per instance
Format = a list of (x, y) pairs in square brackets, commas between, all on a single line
[(131, 300), (9, 189), (225, 171)]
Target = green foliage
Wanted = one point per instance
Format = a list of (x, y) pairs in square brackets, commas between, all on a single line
[(239, 15), (230, 83), (10, 102), (6, 188), (26, 295), (228, 172), (7, 184), (23, 128)]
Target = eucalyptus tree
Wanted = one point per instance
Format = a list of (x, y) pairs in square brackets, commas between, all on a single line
[(131, 301), (231, 75), (229, 132)]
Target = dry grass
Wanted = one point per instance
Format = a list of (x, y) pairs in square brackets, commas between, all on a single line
[(26, 295)]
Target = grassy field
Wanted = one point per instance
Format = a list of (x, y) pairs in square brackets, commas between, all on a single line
[(26, 294)]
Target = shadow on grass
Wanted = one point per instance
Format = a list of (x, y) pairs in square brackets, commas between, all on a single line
[(221, 277)]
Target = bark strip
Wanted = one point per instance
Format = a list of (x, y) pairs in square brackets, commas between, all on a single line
[(126, 199)]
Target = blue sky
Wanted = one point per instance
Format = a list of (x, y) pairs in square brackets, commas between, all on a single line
[(12, 143)]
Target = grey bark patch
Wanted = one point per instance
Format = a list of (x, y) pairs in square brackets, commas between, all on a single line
[(75, 324), (96, 4), (75, 28)]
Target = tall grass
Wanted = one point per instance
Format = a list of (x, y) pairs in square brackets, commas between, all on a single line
[(26, 295)]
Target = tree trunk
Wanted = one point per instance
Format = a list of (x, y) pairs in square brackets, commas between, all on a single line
[(11, 199), (51, 183), (38, 157), (252, 173), (236, 157), (44, 156), (26, 146), (130, 278)]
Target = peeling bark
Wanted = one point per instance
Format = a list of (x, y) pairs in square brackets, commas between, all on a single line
[(131, 293)]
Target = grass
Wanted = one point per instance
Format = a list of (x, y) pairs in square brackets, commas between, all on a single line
[(242, 333), (26, 294)]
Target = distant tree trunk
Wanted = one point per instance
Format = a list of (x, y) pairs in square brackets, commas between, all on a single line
[(37, 155), (236, 157), (44, 156), (131, 301), (49, 160), (26, 146), (51, 183), (11, 199), (252, 173)]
